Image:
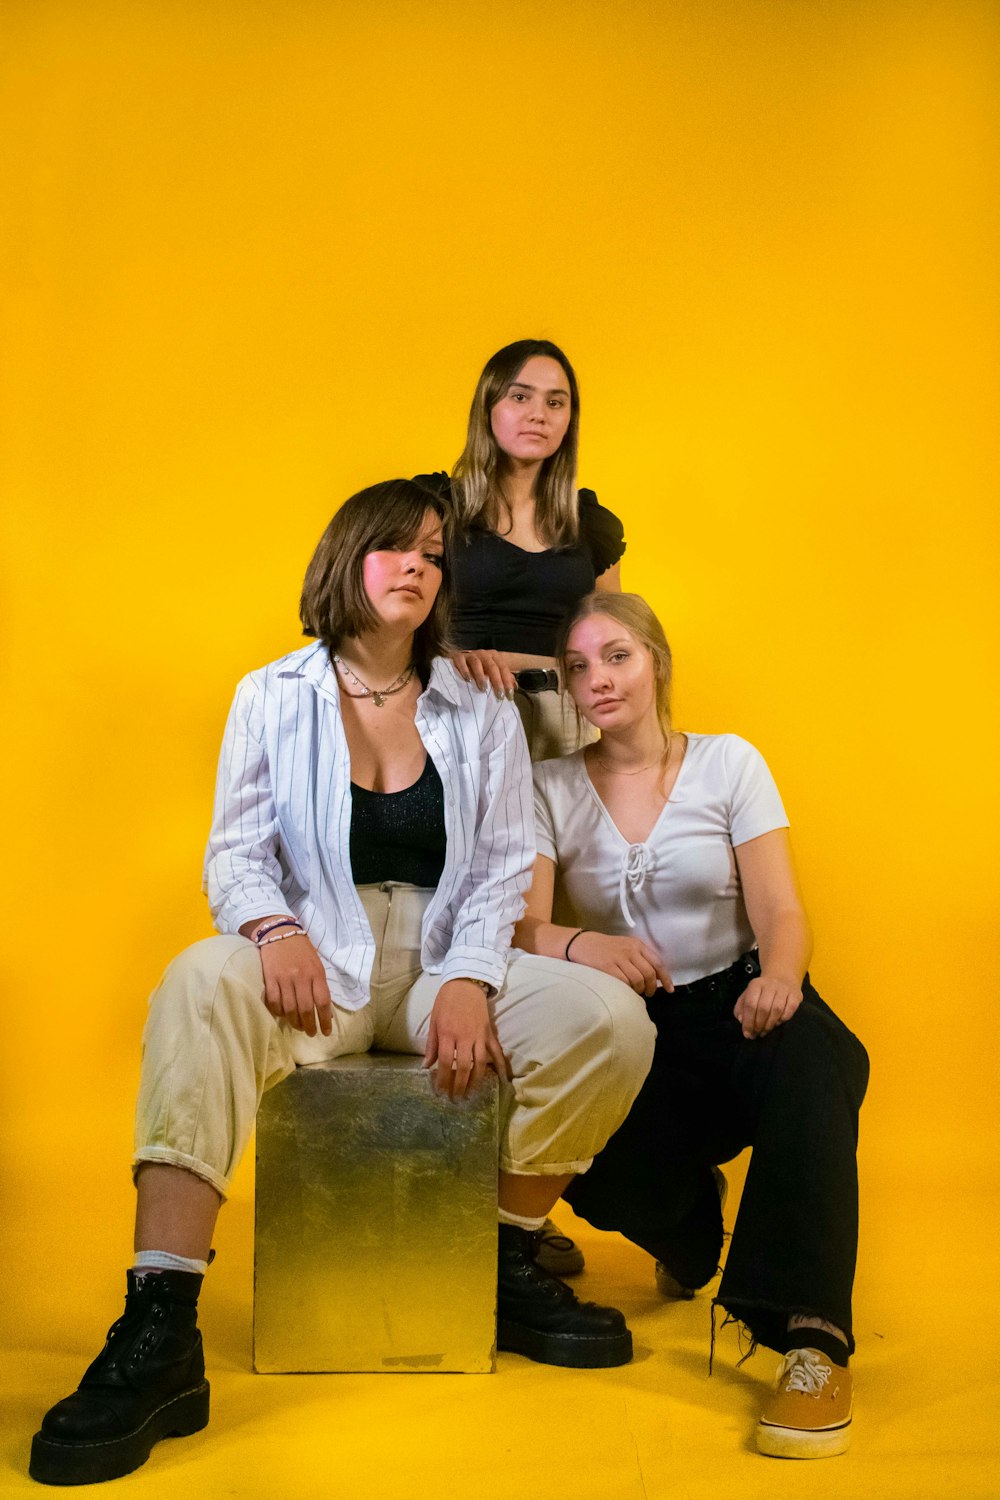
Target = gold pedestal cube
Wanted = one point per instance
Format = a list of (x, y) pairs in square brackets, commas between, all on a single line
[(376, 1226)]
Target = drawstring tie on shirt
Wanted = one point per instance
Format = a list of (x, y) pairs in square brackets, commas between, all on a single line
[(633, 877)]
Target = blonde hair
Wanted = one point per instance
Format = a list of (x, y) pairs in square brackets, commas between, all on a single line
[(478, 497), (632, 611)]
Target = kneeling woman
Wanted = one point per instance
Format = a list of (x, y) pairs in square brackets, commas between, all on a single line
[(370, 850), (664, 861)]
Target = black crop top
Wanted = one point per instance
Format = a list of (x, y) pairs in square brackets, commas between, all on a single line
[(399, 835), (511, 600)]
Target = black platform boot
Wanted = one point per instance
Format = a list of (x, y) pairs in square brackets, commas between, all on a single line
[(147, 1383), (539, 1316)]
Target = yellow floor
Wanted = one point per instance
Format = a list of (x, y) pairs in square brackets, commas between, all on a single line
[(926, 1374)]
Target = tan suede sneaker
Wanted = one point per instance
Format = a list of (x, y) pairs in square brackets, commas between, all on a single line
[(556, 1253), (809, 1416)]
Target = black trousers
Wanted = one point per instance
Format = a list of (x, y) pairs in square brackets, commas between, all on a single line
[(793, 1096)]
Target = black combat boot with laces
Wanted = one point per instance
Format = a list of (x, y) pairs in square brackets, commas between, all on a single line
[(147, 1383), (538, 1315)]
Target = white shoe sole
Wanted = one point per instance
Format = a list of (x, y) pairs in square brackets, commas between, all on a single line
[(794, 1442)]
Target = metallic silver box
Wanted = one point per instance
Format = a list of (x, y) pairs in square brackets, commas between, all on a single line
[(376, 1224)]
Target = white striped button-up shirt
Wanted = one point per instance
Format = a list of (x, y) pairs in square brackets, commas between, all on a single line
[(280, 839)]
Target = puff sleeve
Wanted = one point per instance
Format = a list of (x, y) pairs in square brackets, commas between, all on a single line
[(601, 533)]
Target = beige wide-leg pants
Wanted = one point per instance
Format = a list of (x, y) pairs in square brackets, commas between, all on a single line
[(579, 1044)]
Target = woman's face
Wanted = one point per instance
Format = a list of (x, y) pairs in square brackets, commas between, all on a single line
[(402, 583), (609, 673), (530, 419)]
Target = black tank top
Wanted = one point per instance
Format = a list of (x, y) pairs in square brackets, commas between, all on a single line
[(399, 835)]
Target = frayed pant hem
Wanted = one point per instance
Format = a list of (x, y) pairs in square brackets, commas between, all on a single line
[(764, 1323)]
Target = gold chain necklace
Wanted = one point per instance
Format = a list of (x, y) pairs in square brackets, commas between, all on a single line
[(377, 695), (613, 771)]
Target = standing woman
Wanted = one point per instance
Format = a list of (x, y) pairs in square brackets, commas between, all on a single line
[(371, 844), (664, 860), (528, 545)]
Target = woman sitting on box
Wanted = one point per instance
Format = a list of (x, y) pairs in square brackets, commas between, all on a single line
[(372, 840), (664, 861)]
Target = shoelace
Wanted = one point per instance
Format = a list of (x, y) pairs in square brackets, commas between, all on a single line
[(633, 877), (806, 1372), (555, 1238)]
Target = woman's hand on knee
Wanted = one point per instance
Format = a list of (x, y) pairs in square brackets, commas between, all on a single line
[(295, 987), (485, 669), (765, 1003), (629, 959), (462, 1040)]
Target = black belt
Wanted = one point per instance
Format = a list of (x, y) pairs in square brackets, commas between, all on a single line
[(746, 967), (537, 680)]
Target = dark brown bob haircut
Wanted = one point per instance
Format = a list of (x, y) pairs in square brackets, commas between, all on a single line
[(385, 517)]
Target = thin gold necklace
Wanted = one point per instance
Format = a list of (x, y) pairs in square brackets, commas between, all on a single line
[(377, 695), (613, 771)]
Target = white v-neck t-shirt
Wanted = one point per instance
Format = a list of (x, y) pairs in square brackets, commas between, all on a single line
[(680, 889)]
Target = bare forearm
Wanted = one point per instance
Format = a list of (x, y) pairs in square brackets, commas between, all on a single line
[(630, 959), (785, 942), (547, 939)]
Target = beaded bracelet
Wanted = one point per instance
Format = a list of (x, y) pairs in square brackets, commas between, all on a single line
[(272, 927), (279, 937), (579, 933)]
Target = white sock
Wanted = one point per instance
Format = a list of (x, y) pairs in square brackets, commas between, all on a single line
[(147, 1261), (521, 1220)]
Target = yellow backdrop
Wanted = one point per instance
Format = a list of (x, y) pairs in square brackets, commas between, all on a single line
[(255, 255)]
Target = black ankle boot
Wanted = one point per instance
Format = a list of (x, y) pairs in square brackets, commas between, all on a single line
[(539, 1316), (147, 1383)]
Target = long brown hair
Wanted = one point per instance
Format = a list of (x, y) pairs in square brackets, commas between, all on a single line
[(479, 500), (334, 601)]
